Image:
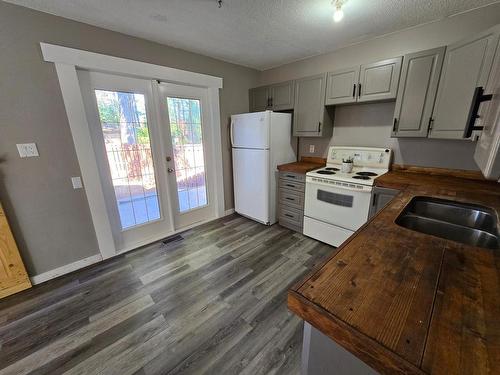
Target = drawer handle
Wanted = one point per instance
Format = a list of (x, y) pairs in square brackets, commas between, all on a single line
[(289, 215), (290, 185), (291, 176), (290, 199)]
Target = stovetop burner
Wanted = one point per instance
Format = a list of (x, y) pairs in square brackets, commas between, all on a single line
[(331, 169), (361, 177), (366, 174), (324, 171)]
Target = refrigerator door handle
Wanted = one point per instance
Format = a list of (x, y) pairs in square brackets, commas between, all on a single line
[(231, 137)]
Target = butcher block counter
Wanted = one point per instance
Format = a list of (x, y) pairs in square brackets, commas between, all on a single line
[(303, 166), (405, 302)]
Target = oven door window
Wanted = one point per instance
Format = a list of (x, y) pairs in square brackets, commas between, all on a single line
[(334, 198)]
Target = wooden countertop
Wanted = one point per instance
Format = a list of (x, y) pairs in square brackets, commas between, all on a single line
[(303, 166), (407, 302)]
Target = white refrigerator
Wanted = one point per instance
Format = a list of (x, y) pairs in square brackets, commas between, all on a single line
[(260, 142)]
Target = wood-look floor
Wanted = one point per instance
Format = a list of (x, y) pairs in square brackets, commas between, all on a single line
[(210, 302)]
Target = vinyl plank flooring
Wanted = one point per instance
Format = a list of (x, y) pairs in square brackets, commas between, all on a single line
[(211, 301)]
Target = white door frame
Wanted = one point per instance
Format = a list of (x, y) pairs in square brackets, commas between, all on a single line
[(67, 60)]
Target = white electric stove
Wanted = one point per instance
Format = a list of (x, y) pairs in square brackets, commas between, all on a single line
[(337, 203)]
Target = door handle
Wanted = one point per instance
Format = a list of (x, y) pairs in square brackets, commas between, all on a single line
[(169, 158), (231, 138), (170, 170)]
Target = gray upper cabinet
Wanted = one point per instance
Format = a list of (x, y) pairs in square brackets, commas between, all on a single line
[(282, 96), (365, 83), (341, 86), (379, 80), (278, 97), (467, 65), (310, 118), (259, 99), (417, 92)]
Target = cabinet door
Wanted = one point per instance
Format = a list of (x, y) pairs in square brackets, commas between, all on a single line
[(13, 276), (282, 96), (309, 108), (379, 80), (259, 99), (417, 92), (487, 153), (467, 65), (341, 86), (380, 198)]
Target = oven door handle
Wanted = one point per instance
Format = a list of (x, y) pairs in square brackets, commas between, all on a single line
[(365, 189)]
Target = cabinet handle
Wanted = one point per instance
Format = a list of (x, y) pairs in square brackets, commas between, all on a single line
[(319, 127), (290, 199), (394, 125), (431, 121), (477, 99), (359, 90), (271, 98), (353, 90)]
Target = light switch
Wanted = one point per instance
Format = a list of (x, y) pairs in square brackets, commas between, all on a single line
[(311, 149), (77, 182), (27, 150)]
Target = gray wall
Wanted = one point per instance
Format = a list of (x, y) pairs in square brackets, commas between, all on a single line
[(50, 220), (370, 124)]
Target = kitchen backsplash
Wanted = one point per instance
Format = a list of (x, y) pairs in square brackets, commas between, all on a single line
[(371, 124)]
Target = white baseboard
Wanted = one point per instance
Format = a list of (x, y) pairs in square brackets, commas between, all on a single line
[(229, 212), (52, 274)]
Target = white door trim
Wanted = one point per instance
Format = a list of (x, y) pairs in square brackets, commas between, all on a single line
[(80, 131), (117, 65), (67, 60)]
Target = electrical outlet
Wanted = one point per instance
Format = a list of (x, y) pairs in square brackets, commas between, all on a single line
[(311, 149), (27, 150), (77, 182)]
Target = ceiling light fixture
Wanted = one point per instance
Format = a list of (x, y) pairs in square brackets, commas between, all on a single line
[(338, 14)]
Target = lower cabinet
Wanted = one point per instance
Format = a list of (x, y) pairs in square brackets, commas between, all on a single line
[(380, 197), (291, 200)]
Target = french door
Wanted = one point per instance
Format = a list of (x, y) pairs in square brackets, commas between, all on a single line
[(149, 147), (127, 145), (184, 117)]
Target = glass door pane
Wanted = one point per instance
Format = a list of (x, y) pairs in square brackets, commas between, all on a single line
[(128, 148), (187, 144)]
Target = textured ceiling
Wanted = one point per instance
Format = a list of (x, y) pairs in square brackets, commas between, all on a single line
[(255, 33)]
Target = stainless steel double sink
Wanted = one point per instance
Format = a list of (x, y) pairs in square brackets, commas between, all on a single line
[(462, 222)]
